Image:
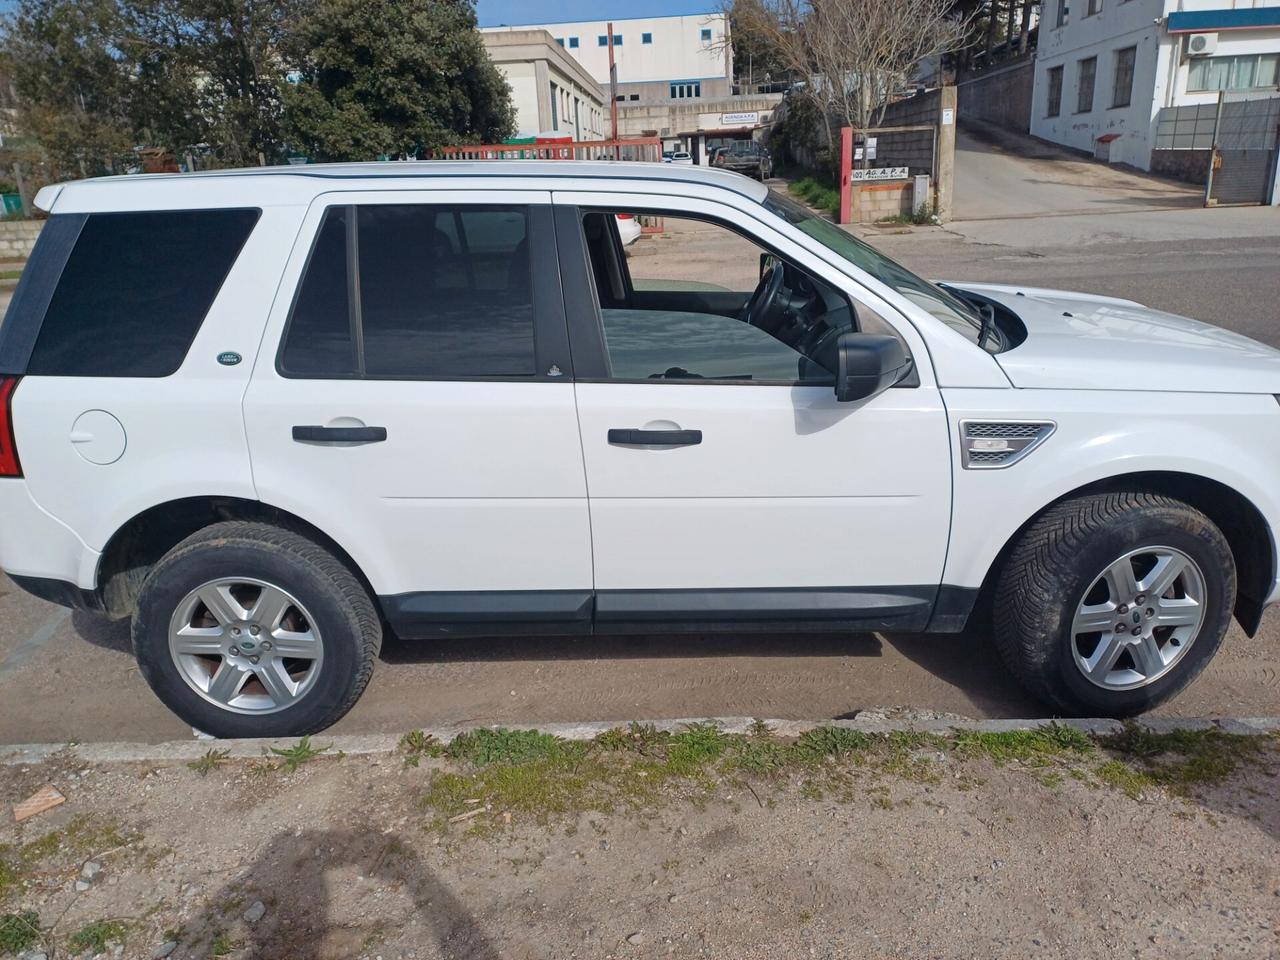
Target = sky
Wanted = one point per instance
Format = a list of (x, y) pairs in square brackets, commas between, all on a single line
[(494, 13)]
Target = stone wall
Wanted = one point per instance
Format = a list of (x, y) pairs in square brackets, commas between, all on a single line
[(17, 237), (875, 201), (1001, 96)]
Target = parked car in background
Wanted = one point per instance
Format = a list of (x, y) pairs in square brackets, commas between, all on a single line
[(268, 416), (745, 157), (682, 157), (628, 229)]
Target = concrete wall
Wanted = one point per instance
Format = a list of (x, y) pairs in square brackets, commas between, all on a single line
[(1160, 70), (549, 89), (1001, 96), (17, 237), (675, 118), (1189, 165), (676, 50), (915, 149)]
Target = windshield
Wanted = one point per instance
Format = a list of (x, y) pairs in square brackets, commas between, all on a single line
[(950, 309)]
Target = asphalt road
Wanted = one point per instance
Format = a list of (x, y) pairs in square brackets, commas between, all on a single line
[(68, 676)]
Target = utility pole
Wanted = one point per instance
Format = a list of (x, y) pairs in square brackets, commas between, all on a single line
[(613, 97)]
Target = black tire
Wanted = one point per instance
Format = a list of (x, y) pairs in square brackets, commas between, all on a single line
[(347, 621), (1059, 557)]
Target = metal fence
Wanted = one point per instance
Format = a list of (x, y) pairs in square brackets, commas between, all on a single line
[(1243, 136), (643, 149)]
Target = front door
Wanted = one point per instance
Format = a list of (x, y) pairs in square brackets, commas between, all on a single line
[(420, 409), (725, 481)]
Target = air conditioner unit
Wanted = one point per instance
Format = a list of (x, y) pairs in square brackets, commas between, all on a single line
[(1201, 44)]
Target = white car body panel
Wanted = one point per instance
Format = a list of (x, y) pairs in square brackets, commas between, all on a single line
[(1081, 342), (479, 485)]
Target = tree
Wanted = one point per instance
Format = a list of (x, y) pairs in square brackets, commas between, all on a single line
[(754, 55), (855, 53), (209, 72), (392, 78), (71, 83)]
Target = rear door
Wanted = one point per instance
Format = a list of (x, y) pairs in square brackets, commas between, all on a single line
[(420, 407)]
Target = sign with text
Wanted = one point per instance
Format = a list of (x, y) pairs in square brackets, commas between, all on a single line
[(738, 119), (882, 173)]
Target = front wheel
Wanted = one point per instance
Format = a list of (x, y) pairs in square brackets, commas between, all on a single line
[(250, 630), (1110, 604)]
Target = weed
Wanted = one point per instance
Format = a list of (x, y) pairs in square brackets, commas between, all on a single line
[(642, 738), (9, 875), (1180, 760), (1120, 776), (415, 745), (817, 191), (760, 755), (696, 746), (94, 937), (221, 945), (485, 746), (828, 741), (1038, 747), (926, 213), (300, 753), (18, 931), (759, 728), (212, 759)]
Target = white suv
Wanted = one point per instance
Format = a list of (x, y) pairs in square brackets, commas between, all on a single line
[(270, 415)]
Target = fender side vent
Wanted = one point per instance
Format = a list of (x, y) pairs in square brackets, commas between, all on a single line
[(996, 444)]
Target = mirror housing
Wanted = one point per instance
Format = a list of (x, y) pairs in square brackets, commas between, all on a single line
[(867, 364)]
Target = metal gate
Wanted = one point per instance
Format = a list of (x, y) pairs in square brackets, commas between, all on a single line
[(1241, 137)]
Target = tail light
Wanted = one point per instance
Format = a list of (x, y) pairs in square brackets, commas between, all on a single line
[(625, 216), (9, 465)]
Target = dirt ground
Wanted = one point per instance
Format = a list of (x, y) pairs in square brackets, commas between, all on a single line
[(927, 852)]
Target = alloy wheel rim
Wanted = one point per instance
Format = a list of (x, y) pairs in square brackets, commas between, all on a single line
[(245, 645), (1138, 618)]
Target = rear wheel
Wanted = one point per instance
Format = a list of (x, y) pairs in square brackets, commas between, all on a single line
[(1111, 604), (249, 630)]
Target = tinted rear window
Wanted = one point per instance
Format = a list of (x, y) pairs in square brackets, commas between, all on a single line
[(135, 290)]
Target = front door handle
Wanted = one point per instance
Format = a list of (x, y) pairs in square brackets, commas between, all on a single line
[(656, 438), (318, 434)]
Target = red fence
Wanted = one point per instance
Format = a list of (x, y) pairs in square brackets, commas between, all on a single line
[(644, 149)]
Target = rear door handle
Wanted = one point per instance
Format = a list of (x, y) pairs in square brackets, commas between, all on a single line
[(656, 438), (318, 434)]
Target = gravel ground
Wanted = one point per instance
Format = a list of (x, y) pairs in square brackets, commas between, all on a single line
[(935, 854)]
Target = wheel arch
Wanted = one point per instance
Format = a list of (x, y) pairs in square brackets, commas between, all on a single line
[(146, 537), (1241, 522)]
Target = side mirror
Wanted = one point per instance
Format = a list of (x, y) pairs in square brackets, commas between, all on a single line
[(867, 364)]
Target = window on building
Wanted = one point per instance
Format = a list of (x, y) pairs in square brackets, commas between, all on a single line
[(1095, 6), (1252, 71), (555, 108), (1084, 92), (603, 40), (445, 291), (1064, 12), (634, 96), (617, 39), (646, 38), (1122, 92), (573, 43), (560, 40), (706, 35), (1055, 92), (686, 90)]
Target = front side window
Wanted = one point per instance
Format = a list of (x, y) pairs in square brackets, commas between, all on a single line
[(1122, 93), (1055, 92), (1255, 71), (135, 291), (1088, 73), (706, 303), (415, 291)]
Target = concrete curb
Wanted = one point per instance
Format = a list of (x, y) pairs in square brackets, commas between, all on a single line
[(361, 745)]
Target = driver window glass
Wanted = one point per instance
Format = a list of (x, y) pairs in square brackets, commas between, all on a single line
[(688, 299)]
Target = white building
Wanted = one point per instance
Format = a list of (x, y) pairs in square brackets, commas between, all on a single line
[(1105, 68), (658, 58), (551, 91)]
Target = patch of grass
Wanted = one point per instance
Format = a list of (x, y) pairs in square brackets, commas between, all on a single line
[(18, 931), (212, 759), (1181, 760), (484, 746), (94, 937), (926, 213), (1039, 746), (828, 741), (1120, 776), (817, 191), (300, 753), (694, 747), (415, 745), (10, 878), (221, 945), (642, 738)]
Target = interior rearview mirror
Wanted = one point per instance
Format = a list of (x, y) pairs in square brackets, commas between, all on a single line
[(868, 364)]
